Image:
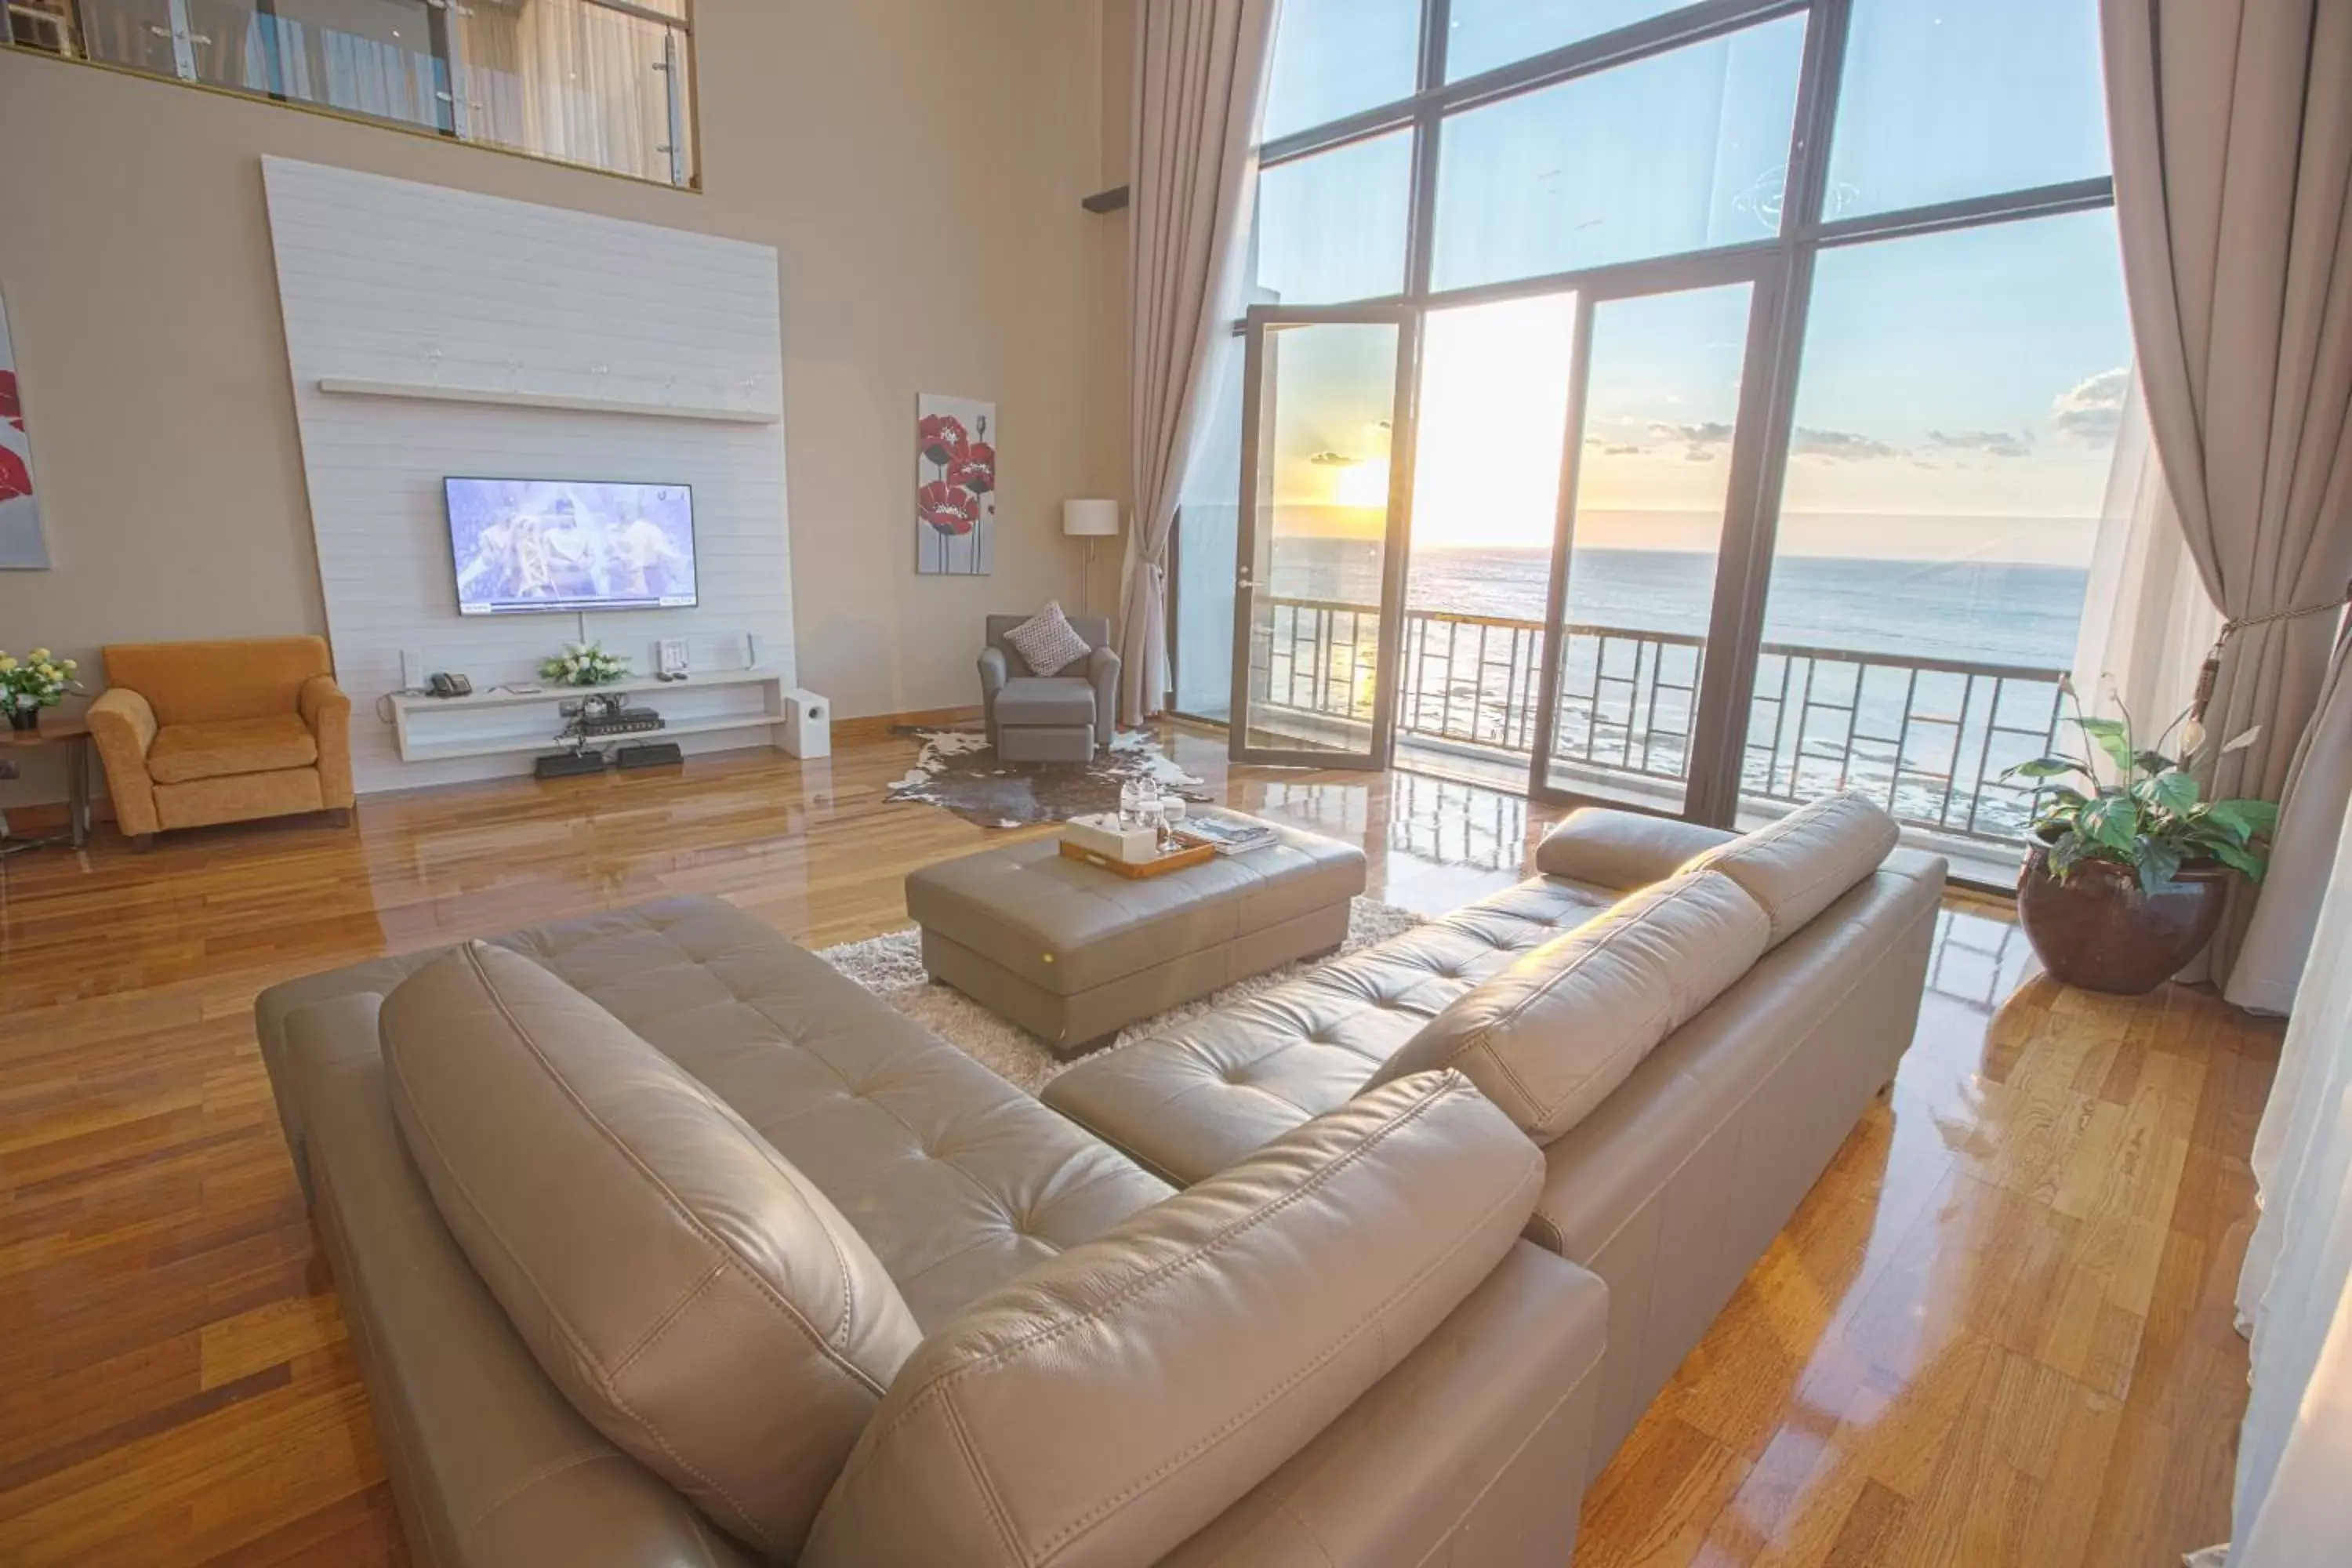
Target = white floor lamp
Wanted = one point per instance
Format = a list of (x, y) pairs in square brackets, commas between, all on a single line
[(1089, 521)]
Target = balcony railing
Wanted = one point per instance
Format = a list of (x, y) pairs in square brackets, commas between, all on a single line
[(1927, 737)]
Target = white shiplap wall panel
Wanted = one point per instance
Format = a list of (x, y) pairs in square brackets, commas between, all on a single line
[(385, 279)]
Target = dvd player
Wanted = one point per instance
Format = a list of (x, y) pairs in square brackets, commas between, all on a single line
[(627, 721)]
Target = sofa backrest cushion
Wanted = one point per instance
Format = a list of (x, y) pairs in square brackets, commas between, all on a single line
[(1112, 1401), (1798, 866), (693, 1295), (239, 678), (1548, 1037), (1604, 848)]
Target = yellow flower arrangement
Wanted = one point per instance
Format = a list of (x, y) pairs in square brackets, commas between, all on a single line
[(37, 681)]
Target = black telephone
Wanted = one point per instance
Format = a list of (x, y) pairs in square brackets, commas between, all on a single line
[(442, 685)]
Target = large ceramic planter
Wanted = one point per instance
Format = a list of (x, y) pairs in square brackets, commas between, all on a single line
[(2100, 930)]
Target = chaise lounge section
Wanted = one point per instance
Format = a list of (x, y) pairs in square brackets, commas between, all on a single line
[(1689, 1023)]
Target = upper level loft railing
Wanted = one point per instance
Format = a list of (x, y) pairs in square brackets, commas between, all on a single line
[(604, 84), (1927, 737)]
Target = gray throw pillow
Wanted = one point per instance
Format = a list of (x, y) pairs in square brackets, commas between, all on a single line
[(1047, 641)]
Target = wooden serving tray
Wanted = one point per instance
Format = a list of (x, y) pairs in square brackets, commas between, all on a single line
[(1136, 870)]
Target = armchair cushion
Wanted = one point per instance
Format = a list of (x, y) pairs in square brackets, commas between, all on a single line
[(221, 748), (1029, 699), (1241, 1318), (239, 678), (1047, 642)]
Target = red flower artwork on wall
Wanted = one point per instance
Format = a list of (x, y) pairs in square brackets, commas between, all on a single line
[(955, 493), (21, 544)]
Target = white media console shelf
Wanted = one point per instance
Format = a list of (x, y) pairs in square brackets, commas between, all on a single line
[(496, 721)]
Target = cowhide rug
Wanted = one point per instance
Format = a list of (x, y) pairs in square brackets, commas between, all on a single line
[(959, 771)]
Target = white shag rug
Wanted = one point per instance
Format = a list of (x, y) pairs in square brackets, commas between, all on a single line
[(892, 968)]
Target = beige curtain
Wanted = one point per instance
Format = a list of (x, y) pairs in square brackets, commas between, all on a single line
[(2231, 125), (2146, 622), (1199, 76)]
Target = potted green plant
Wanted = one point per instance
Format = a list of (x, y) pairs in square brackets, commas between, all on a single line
[(2126, 876), (29, 684), (584, 664)]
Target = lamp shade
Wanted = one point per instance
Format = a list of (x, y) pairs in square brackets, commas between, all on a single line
[(1089, 519)]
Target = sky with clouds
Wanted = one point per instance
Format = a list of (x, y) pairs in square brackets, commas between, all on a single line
[(1959, 393)]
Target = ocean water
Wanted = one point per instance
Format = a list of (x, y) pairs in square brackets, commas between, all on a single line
[(1987, 612)]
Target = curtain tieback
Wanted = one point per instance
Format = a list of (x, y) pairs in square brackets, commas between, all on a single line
[(2212, 670)]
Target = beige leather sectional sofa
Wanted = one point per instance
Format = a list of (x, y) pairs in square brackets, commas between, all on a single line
[(663, 1243)]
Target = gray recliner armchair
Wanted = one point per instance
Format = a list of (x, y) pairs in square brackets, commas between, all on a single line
[(1066, 717)]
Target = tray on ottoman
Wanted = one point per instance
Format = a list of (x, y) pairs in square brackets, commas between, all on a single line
[(1073, 953)]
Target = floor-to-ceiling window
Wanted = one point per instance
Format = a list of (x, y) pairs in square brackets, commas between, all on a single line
[(1765, 361)]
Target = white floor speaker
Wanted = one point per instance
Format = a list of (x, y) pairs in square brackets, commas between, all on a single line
[(808, 723)]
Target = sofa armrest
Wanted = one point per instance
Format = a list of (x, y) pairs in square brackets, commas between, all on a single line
[(1102, 673), (1622, 849), (122, 726), (1136, 1387), (327, 714), (993, 673)]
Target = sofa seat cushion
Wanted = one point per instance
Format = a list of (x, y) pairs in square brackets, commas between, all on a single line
[(1798, 866), (221, 748), (1040, 699), (699, 1300), (1550, 1036), (1192, 1101), (957, 1179)]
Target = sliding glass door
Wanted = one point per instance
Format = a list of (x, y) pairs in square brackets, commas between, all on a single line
[(1657, 443), (1326, 429), (1755, 362)]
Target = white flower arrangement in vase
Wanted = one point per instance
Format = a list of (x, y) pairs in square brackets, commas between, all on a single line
[(29, 684), (584, 663)]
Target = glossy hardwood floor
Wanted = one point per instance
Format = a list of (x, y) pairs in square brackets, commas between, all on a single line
[(1997, 1331)]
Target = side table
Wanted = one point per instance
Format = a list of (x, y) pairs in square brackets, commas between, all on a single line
[(73, 735)]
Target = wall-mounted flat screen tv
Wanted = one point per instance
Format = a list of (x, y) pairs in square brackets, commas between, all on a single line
[(569, 545)]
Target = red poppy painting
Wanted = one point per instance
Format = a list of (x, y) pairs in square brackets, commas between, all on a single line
[(21, 544), (955, 486)]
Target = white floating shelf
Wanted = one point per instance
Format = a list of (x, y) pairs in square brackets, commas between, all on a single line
[(434, 392), (496, 721)]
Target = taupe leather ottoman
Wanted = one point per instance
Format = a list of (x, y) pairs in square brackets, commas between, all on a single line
[(1073, 953)]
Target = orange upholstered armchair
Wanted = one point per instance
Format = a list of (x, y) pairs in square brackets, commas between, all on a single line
[(198, 732)]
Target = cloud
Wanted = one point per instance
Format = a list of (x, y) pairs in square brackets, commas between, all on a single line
[(1620, 449), (1993, 443), (2093, 408), (1836, 444), (1713, 433), (1328, 459)]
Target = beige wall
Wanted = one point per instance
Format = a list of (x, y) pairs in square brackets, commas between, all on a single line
[(918, 164)]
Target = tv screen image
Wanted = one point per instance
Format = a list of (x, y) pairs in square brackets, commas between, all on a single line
[(569, 545)]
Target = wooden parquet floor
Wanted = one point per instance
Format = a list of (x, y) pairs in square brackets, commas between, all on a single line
[(1997, 1331)]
